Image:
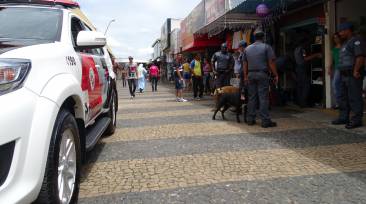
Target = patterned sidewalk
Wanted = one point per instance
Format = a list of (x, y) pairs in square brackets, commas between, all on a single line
[(169, 152)]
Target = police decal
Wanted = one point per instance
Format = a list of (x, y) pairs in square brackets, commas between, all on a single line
[(92, 79)]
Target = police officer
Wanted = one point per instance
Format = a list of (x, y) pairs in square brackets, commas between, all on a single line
[(224, 67), (259, 61), (302, 78), (351, 64)]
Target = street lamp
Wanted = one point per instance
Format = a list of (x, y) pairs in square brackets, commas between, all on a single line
[(110, 22)]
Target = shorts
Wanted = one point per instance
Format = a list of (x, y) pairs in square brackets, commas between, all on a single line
[(178, 84), (187, 75)]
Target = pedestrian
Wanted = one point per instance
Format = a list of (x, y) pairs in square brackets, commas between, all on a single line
[(124, 73), (187, 75), (238, 65), (197, 79), (242, 86), (132, 76), (141, 73), (351, 66), (333, 70), (224, 67), (302, 77), (178, 78), (207, 70), (154, 77), (259, 62)]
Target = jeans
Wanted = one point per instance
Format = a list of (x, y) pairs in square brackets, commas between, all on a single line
[(197, 86), (351, 98), (124, 82), (154, 83), (336, 84), (132, 84), (258, 88), (206, 83)]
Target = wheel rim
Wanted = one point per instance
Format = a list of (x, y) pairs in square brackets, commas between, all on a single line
[(114, 116), (66, 167)]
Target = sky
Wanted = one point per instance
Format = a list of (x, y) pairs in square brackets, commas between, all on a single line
[(138, 22)]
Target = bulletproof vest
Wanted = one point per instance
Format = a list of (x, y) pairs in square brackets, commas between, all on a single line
[(223, 61), (346, 56)]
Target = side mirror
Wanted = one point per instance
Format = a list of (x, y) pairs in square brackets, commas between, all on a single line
[(91, 40)]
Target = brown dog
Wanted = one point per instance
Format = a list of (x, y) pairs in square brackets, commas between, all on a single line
[(224, 90)]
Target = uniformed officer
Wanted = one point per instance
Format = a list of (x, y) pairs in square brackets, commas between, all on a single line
[(259, 62), (224, 67), (351, 64), (302, 78)]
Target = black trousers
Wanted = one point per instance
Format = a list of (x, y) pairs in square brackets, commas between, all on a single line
[(154, 83), (223, 79), (351, 98), (132, 84), (197, 86), (302, 86)]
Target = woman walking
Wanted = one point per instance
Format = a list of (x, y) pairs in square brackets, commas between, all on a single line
[(124, 76), (141, 72), (334, 69), (132, 76), (207, 70), (154, 77)]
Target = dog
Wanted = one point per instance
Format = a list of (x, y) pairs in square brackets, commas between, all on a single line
[(224, 90), (228, 100)]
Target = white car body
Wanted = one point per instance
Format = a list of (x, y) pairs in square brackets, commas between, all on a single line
[(28, 114)]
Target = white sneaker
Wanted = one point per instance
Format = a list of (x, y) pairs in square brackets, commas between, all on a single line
[(178, 100), (183, 100)]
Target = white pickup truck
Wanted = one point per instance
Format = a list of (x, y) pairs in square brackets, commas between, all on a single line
[(57, 98)]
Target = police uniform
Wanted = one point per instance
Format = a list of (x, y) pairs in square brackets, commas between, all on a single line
[(257, 56), (351, 88), (225, 61)]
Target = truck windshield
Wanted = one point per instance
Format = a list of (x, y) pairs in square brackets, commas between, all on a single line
[(30, 23)]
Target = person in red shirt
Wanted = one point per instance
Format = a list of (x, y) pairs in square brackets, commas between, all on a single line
[(154, 77)]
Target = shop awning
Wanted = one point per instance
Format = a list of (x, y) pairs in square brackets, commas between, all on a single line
[(200, 42), (241, 14), (230, 21)]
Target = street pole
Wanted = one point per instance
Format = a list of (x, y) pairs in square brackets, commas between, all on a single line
[(110, 22)]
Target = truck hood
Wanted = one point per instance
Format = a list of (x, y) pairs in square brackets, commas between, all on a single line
[(7, 45)]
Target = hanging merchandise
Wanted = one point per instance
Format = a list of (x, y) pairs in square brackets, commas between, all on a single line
[(236, 39), (229, 40)]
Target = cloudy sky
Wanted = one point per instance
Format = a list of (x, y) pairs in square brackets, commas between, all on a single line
[(138, 22)]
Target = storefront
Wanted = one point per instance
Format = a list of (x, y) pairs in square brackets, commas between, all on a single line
[(304, 26)]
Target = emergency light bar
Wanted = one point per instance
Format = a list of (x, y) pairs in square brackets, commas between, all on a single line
[(65, 3)]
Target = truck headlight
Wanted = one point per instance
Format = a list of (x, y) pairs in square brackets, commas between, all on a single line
[(13, 73)]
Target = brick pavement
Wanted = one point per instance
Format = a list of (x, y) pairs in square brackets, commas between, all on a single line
[(168, 152)]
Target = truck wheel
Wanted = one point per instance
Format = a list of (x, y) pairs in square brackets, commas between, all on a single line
[(62, 175), (112, 114)]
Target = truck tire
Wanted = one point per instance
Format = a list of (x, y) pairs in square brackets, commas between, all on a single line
[(62, 175), (112, 114)]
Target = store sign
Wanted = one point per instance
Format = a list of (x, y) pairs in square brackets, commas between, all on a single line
[(164, 38), (186, 32), (191, 24), (214, 9)]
